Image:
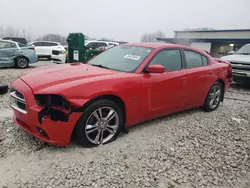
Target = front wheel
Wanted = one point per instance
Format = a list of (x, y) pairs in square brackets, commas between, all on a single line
[(214, 97), (101, 123)]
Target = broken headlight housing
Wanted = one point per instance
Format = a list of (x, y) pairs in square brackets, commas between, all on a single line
[(55, 101)]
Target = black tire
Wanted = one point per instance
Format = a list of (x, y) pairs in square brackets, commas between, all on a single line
[(207, 105), (79, 131), (21, 62), (4, 89)]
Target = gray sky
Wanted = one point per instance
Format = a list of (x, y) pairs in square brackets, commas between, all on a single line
[(123, 19)]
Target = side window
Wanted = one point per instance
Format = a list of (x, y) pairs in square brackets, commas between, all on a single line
[(91, 45), (205, 60), (6, 45), (170, 59), (193, 59), (21, 45), (52, 44), (13, 45), (38, 44), (46, 43), (100, 44)]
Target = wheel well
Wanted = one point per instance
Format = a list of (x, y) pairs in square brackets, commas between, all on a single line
[(23, 57), (223, 87), (113, 98)]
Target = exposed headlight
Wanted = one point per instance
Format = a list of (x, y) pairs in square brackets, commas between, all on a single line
[(56, 101)]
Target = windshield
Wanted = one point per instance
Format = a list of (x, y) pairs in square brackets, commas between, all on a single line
[(122, 58), (244, 50)]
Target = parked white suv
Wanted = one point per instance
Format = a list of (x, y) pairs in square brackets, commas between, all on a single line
[(50, 50), (240, 61), (94, 44)]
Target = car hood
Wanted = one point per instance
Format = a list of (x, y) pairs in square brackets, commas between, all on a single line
[(237, 58), (48, 76)]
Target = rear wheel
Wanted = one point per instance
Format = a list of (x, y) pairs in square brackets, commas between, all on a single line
[(22, 62), (214, 97), (100, 124)]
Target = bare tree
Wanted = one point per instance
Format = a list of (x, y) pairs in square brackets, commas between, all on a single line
[(152, 37), (13, 32), (54, 37), (9, 31)]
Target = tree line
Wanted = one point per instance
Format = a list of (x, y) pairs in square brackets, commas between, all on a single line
[(14, 32)]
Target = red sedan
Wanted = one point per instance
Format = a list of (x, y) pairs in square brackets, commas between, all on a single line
[(123, 86)]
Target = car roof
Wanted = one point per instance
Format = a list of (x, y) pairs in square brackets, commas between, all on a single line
[(45, 41), (154, 45), (164, 45), (2, 40), (101, 41)]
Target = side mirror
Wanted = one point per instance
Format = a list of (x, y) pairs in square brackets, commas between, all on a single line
[(156, 69), (231, 52)]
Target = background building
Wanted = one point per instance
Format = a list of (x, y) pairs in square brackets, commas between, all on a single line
[(216, 42)]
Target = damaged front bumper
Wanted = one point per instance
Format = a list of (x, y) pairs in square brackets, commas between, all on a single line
[(48, 124)]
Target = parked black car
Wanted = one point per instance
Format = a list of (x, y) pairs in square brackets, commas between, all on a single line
[(17, 39)]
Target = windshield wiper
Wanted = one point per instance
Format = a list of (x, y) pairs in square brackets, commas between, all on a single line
[(101, 66)]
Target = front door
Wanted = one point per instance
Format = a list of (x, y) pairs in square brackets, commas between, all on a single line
[(8, 51), (166, 92)]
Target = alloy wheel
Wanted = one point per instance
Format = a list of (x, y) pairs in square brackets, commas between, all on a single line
[(214, 96), (22, 63), (102, 125)]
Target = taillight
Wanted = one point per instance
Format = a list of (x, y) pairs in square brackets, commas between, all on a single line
[(32, 48), (229, 71)]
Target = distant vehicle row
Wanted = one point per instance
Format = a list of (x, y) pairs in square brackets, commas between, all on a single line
[(14, 54)]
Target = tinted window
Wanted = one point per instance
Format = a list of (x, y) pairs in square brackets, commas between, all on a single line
[(21, 45), (193, 59), (37, 44), (13, 45), (205, 60), (91, 45), (170, 59), (52, 44), (100, 44), (49, 44)]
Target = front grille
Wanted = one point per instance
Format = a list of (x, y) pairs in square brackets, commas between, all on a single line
[(55, 52), (240, 66), (17, 101)]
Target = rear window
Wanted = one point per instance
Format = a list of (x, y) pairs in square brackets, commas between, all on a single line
[(21, 45)]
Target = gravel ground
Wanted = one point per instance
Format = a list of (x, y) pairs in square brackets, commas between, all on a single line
[(9, 74), (188, 149)]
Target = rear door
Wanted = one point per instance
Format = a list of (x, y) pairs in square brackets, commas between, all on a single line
[(38, 48), (8, 52), (200, 76)]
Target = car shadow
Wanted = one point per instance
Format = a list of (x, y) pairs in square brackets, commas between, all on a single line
[(242, 86), (135, 128)]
